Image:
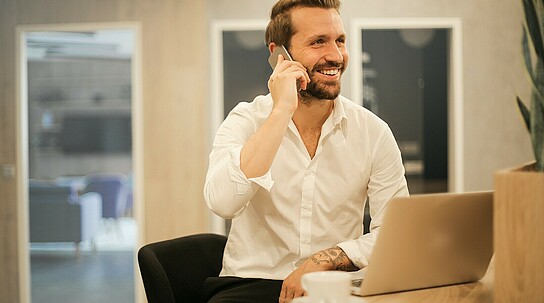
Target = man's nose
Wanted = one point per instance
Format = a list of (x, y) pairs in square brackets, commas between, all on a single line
[(334, 53)]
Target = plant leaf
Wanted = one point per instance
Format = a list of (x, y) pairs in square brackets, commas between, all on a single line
[(533, 25), (527, 54), (525, 113), (539, 82), (528, 62), (537, 133), (540, 139)]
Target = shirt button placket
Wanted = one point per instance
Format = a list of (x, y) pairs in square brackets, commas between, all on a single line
[(306, 212)]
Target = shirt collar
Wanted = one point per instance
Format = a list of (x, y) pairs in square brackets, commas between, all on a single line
[(335, 119), (338, 112)]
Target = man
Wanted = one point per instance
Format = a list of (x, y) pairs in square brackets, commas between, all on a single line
[(295, 167)]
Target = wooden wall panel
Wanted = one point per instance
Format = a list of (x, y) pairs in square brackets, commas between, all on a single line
[(175, 102), (9, 275)]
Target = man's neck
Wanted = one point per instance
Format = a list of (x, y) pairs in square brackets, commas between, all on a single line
[(311, 115)]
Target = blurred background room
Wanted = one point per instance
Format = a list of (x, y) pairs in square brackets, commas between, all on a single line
[(108, 110)]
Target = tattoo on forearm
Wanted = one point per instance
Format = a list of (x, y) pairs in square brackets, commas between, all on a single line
[(335, 257)]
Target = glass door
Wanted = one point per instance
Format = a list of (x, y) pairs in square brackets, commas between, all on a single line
[(409, 72), (82, 228), (405, 82), (241, 71)]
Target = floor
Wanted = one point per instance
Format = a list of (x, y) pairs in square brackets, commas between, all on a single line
[(94, 277), (58, 274)]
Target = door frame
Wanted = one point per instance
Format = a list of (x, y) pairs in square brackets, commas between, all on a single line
[(216, 223), (22, 142), (455, 80)]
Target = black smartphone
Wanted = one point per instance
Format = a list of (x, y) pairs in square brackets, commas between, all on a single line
[(280, 49)]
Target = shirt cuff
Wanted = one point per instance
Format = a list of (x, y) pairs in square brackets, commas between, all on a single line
[(352, 250), (243, 184)]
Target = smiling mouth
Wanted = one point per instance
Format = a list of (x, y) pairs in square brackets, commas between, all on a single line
[(329, 72)]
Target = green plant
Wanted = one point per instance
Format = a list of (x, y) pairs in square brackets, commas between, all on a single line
[(534, 117)]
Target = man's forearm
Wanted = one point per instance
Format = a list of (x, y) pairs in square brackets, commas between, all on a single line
[(333, 259), (260, 150)]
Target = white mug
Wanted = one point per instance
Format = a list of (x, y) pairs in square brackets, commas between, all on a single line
[(327, 286)]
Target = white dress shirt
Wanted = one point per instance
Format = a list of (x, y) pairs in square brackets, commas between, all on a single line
[(302, 205)]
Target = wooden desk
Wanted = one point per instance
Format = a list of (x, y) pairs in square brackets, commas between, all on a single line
[(477, 292)]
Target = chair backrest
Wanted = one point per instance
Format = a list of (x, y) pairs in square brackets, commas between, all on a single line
[(40, 192), (174, 270), (113, 190)]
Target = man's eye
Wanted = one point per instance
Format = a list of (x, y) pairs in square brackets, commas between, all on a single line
[(319, 41)]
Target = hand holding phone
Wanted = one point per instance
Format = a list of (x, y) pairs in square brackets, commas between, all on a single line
[(273, 61), (279, 50)]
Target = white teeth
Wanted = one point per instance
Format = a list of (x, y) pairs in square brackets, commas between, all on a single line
[(331, 72)]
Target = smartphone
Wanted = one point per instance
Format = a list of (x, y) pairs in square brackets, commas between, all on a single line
[(280, 49)]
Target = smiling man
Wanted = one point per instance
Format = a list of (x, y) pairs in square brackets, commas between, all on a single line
[(294, 168)]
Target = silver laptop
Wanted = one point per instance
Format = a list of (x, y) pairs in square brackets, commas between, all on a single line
[(430, 240)]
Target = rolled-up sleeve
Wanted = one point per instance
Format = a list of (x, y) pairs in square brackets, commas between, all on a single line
[(227, 190), (387, 180)]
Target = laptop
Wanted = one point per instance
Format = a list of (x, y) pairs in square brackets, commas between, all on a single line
[(430, 240)]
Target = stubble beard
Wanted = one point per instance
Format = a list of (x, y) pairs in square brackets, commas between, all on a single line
[(320, 92), (317, 91)]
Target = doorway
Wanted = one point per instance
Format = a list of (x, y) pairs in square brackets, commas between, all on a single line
[(81, 140), (238, 49), (407, 71)]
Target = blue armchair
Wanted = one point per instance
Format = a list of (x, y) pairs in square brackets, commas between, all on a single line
[(113, 190), (58, 214)]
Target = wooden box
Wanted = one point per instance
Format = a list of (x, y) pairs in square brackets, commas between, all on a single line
[(519, 236)]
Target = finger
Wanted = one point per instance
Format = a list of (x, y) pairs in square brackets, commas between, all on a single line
[(283, 292), (304, 84), (280, 60), (285, 297), (284, 64), (294, 73), (303, 78), (299, 293), (288, 291)]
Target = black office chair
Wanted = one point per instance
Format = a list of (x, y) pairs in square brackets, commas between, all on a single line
[(174, 270)]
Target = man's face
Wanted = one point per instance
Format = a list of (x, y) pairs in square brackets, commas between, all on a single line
[(319, 44)]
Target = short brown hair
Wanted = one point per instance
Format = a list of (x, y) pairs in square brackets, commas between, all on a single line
[(280, 28)]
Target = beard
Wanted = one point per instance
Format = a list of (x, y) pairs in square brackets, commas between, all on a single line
[(321, 90)]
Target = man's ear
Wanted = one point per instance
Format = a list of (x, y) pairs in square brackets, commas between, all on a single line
[(272, 46)]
